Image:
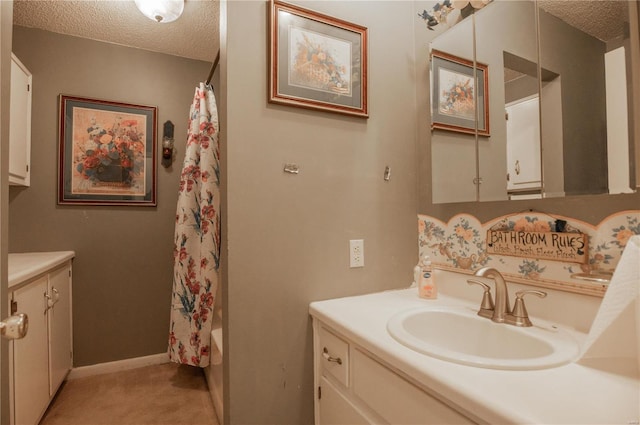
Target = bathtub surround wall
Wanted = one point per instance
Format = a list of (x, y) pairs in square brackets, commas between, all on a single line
[(123, 267), (287, 236)]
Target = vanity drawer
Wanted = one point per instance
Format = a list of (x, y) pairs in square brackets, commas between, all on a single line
[(395, 399), (334, 356)]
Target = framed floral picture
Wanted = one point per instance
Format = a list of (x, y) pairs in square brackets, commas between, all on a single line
[(456, 94), (107, 152), (317, 61)]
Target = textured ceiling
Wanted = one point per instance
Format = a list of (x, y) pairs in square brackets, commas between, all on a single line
[(194, 35), (603, 19)]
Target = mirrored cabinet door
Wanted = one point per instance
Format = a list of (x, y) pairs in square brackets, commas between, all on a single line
[(453, 151), (552, 83), (509, 161)]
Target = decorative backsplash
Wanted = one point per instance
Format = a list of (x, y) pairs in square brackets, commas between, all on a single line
[(460, 245)]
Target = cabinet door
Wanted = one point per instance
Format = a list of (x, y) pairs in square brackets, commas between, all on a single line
[(395, 399), (30, 361), (60, 359), (20, 124), (335, 409)]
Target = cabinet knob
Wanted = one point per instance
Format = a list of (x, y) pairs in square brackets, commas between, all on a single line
[(329, 358), (15, 327), (52, 300)]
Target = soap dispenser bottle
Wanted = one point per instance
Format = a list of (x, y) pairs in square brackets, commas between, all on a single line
[(426, 285)]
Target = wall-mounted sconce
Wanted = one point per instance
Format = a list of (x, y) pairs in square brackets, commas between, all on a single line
[(162, 11), (167, 144)]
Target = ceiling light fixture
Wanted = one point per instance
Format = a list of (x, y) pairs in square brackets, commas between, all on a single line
[(162, 11)]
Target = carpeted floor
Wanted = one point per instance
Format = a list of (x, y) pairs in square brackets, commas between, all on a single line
[(167, 394)]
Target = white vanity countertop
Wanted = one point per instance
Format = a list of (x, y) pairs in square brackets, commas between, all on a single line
[(24, 266), (570, 394)]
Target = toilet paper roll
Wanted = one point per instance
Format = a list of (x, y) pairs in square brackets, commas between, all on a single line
[(618, 320)]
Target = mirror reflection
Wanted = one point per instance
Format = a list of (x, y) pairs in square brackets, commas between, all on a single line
[(587, 53), (522, 116), (558, 84)]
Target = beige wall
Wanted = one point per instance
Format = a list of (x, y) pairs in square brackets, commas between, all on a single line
[(123, 268), (287, 235)]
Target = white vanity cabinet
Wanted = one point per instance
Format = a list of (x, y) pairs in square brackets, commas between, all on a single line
[(30, 355), (60, 349), (40, 286), (354, 387), (20, 124)]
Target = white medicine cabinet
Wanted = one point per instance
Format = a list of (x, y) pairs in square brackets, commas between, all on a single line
[(20, 124)]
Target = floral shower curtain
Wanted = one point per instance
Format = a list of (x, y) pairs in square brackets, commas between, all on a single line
[(197, 236)]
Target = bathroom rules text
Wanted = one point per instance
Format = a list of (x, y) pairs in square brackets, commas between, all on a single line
[(571, 247)]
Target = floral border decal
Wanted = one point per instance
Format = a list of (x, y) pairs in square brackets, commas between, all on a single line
[(460, 245)]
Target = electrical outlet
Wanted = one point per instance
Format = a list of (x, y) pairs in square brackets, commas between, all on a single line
[(356, 253)]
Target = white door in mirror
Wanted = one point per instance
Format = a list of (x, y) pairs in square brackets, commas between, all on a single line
[(523, 144)]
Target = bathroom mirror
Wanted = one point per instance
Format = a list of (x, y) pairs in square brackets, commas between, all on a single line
[(559, 79)]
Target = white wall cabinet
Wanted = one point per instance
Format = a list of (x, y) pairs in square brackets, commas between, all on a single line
[(43, 358), (354, 387), (20, 124)]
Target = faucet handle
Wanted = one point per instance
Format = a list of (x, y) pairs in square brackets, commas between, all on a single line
[(486, 306), (520, 315)]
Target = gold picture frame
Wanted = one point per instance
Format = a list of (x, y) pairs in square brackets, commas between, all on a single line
[(107, 152), (455, 95), (317, 61)]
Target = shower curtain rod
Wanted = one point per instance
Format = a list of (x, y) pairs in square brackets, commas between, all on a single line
[(213, 67)]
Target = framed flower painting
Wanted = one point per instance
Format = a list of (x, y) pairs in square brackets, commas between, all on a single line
[(459, 101), (107, 152), (317, 61)]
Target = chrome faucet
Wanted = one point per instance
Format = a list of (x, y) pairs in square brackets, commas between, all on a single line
[(500, 312), (501, 306)]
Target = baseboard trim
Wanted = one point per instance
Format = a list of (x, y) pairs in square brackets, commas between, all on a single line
[(117, 366)]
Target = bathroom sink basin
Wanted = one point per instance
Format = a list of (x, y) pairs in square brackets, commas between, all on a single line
[(459, 335)]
